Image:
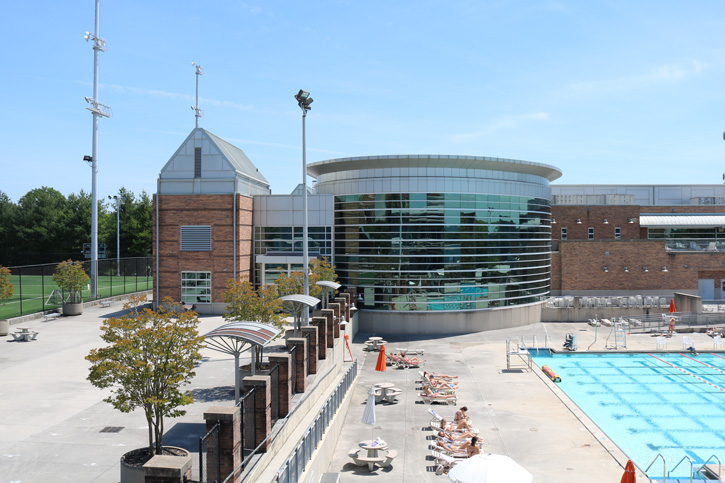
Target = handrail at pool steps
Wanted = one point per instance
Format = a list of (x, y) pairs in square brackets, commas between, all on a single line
[(664, 466), (692, 466), (707, 471)]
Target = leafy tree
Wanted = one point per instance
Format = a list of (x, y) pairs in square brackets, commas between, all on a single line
[(72, 278), (6, 288), (149, 358), (41, 225), (8, 232)]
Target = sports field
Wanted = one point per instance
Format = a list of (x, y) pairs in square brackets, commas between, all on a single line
[(32, 292)]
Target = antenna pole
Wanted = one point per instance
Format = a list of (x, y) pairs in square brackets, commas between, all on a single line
[(198, 112)]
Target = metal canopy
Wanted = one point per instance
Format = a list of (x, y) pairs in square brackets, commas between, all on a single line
[(690, 220), (231, 339), (301, 299), (329, 284)]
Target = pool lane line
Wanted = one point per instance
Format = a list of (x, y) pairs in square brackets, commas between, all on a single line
[(712, 354), (687, 372), (700, 362)]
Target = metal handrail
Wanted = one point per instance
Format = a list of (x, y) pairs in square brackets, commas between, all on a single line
[(678, 464), (719, 467), (664, 467)]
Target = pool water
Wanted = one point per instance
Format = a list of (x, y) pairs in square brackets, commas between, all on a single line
[(671, 404)]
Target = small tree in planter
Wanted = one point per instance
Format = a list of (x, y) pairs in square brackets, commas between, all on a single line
[(150, 356), (70, 277), (6, 291)]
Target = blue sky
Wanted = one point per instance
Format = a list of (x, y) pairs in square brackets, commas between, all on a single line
[(615, 91)]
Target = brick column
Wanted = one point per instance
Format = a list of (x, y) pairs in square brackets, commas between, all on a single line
[(336, 308), (262, 404), (230, 438), (345, 307), (300, 361), (321, 323), (167, 469), (285, 386), (329, 314), (311, 349)]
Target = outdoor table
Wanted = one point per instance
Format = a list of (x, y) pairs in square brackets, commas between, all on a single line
[(24, 330), (383, 386), (373, 450)]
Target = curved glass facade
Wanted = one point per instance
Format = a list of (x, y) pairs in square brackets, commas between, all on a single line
[(440, 249)]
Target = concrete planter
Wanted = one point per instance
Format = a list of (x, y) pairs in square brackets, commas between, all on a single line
[(4, 327), (73, 309), (135, 474)]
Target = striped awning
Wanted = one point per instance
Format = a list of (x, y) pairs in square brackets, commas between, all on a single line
[(231, 338), (689, 220)]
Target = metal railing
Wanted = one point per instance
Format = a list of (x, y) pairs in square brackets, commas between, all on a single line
[(209, 444), (34, 284), (296, 463), (293, 369)]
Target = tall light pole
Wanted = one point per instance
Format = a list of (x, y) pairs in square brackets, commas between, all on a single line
[(304, 100), (98, 110), (118, 233)]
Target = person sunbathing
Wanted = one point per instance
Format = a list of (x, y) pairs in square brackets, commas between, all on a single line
[(449, 394), (461, 414), (455, 437), (446, 426), (460, 447), (438, 375), (439, 383), (411, 361), (473, 448)]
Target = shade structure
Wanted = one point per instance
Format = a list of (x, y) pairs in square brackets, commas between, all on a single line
[(673, 309), (629, 475), (489, 468), (369, 413), (381, 365)]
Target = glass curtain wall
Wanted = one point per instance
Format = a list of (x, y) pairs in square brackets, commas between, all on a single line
[(443, 251)]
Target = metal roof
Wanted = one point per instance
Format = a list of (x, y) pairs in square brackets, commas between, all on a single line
[(670, 220), (237, 158), (329, 284), (231, 338), (301, 299)]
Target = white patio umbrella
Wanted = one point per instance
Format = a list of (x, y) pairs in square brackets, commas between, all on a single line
[(369, 413), (489, 468)]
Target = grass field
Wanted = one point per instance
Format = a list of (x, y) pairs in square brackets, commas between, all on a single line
[(32, 291)]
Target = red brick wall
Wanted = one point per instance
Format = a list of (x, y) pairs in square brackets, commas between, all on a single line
[(214, 210)]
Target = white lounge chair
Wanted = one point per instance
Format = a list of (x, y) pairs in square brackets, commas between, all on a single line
[(443, 462), (661, 343), (439, 400), (687, 343), (717, 340)]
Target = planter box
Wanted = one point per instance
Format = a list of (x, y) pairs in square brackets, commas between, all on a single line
[(4, 327), (73, 309), (135, 474)]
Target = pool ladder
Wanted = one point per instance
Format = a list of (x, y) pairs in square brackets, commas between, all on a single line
[(692, 468)]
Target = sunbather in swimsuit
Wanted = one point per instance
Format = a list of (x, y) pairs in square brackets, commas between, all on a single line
[(461, 414), (447, 394), (455, 426)]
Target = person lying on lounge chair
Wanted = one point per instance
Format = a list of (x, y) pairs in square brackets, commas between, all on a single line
[(438, 395), (439, 383), (411, 361), (455, 426), (455, 437), (438, 375), (458, 447)]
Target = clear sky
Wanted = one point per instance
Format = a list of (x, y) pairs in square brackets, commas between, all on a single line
[(618, 91)]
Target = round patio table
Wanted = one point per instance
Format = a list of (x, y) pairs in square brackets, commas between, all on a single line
[(373, 450)]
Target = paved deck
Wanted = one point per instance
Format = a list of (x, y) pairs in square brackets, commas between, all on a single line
[(53, 417)]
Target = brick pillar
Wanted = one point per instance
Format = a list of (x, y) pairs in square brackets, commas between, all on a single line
[(285, 386), (230, 439), (336, 308), (300, 361), (311, 349), (167, 469), (262, 401), (329, 314), (321, 323), (345, 307)]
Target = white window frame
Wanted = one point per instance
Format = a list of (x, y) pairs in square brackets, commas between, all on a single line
[(196, 287)]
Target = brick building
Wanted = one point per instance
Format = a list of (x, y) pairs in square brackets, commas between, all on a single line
[(638, 239), (203, 220)]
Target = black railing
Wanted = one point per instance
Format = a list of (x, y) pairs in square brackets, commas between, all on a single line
[(248, 424), (293, 369), (274, 391), (210, 458)]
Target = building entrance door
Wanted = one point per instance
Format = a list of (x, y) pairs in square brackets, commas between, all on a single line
[(706, 288)]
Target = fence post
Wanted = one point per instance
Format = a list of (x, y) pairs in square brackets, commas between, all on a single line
[(229, 447), (285, 387), (300, 361), (262, 408)]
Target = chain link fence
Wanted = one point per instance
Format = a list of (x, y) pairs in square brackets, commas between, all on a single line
[(35, 291)]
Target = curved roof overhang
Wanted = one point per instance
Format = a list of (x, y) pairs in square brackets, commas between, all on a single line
[(233, 337)]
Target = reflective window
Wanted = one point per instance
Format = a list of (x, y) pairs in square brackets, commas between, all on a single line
[(196, 287)]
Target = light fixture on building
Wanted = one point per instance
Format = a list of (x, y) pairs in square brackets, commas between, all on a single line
[(605, 222), (631, 220), (553, 221), (578, 221), (664, 269), (605, 268), (626, 269), (645, 269)]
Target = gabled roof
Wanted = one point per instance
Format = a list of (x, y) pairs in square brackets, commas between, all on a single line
[(236, 157)]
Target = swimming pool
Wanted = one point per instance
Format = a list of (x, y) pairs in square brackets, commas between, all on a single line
[(652, 403)]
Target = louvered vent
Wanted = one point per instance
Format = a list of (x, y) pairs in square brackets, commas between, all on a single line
[(197, 162), (196, 238)]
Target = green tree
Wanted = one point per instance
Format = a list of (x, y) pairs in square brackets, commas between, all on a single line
[(8, 231), (41, 225), (71, 277), (150, 356)]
